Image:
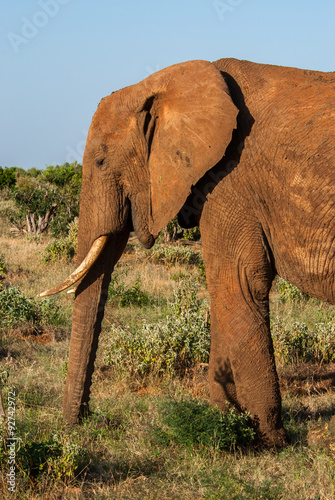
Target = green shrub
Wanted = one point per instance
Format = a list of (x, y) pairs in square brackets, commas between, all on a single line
[(325, 347), (173, 232), (58, 249), (57, 457), (127, 296), (190, 422), (8, 177), (201, 267), (172, 345), (17, 309), (289, 292), (63, 248), (50, 312), (69, 174), (3, 267), (294, 343), (172, 254), (192, 234)]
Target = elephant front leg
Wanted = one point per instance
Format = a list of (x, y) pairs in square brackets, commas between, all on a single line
[(222, 384), (242, 367)]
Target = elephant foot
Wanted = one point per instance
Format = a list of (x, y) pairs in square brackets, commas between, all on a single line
[(277, 441), (271, 439)]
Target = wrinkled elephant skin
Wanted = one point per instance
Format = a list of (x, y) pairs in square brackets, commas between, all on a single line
[(245, 151)]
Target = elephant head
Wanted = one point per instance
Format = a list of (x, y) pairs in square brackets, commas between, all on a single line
[(148, 144)]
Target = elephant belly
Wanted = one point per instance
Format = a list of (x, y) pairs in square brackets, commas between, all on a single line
[(309, 264), (303, 242)]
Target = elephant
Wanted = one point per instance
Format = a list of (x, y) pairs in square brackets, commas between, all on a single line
[(246, 152)]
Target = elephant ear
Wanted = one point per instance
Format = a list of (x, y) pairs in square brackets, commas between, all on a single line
[(189, 121)]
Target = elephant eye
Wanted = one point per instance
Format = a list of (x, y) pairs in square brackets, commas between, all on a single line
[(100, 155), (100, 162)]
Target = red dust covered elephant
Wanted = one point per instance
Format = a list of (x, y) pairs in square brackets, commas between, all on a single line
[(245, 151)]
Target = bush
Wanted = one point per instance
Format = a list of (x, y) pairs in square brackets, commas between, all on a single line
[(8, 177), (172, 345), (50, 312), (294, 343), (69, 174), (289, 292), (127, 296), (58, 249), (63, 248), (16, 309), (3, 267), (172, 254), (173, 232), (190, 422), (57, 457)]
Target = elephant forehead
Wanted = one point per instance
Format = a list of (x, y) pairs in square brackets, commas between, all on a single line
[(110, 117)]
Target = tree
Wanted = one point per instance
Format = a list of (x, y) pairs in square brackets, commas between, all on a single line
[(49, 199), (7, 177)]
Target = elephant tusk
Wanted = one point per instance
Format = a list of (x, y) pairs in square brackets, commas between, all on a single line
[(91, 257)]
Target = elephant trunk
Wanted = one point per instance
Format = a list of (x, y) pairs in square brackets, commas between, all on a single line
[(88, 313)]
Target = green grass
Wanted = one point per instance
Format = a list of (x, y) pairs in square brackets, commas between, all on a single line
[(153, 435)]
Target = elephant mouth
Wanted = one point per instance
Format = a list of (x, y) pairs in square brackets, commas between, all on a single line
[(140, 227), (92, 256)]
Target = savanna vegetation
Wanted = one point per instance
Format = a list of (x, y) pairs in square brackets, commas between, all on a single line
[(152, 433)]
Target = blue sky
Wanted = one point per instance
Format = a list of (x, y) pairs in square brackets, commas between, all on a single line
[(60, 57)]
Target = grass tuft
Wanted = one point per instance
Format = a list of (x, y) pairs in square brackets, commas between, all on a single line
[(190, 422)]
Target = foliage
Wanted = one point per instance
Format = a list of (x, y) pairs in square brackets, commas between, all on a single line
[(34, 172), (8, 177), (127, 296), (289, 292), (172, 345), (297, 343), (202, 270), (60, 248), (68, 174), (49, 312), (34, 195), (3, 267), (67, 179), (63, 247), (46, 199), (191, 422), (58, 457), (173, 232), (17, 309), (172, 254), (192, 234)]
